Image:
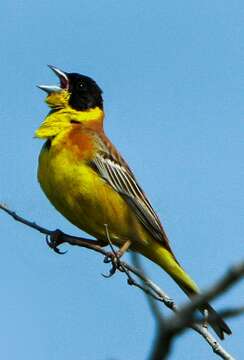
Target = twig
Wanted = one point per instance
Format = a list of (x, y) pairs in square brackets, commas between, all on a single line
[(215, 345), (152, 300), (97, 246), (185, 317), (224, 314), (148, 287), (231, 313), (20, 219), (234, 274), (115, 259)]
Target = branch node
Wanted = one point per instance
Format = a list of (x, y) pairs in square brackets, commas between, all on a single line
[(130, 281)]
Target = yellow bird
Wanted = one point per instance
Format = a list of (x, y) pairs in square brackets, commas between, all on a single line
[(88, 181)]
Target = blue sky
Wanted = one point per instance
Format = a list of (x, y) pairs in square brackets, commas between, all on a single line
[(172, 75)]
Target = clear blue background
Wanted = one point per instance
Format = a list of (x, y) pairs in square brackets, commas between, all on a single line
[(172, 74)]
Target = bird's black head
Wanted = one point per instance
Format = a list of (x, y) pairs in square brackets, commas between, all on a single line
[(83, 92)]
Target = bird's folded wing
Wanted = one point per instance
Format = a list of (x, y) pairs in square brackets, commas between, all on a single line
[(116, 172)]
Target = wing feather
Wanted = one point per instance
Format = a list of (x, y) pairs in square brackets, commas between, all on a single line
[(116, 172)]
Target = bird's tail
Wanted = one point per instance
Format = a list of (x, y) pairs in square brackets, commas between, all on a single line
[(166, 260)]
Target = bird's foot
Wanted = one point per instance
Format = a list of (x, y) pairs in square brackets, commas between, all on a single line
[(112, 256), (114, 259), (54, 240)]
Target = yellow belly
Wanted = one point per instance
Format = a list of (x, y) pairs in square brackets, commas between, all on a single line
[(83, 197)]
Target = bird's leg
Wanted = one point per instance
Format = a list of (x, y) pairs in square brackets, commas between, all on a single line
[(123, 249), (114, 256)]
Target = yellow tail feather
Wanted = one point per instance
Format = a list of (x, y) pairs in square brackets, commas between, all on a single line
[(166, 260)]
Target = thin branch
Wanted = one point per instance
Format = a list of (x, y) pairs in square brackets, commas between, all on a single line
[(233, 275), (148, 286), (215, 345), (184, 317), (224, 314), (232, 312), (20, 219), (96, 245), (153, 301)]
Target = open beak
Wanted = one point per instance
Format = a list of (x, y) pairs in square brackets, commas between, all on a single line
[(63, 78)]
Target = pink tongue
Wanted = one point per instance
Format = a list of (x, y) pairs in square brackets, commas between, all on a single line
[(64, 83)]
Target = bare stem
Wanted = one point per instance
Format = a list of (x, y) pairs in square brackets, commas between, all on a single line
[(177, 322)]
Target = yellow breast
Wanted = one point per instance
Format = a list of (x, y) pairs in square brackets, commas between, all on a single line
[(77, 191)]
